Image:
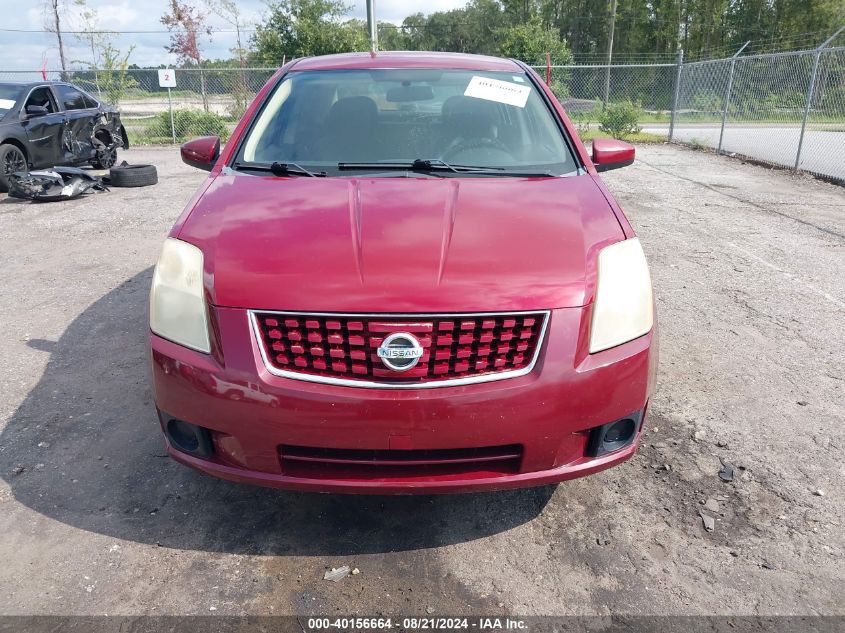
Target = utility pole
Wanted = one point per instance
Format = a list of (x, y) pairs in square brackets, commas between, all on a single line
[(372, 25), (611, 12)]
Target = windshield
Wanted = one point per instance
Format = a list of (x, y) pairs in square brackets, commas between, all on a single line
[(9, 95), (318, 119)]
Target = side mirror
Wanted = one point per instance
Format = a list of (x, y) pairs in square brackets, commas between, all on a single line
[(608, 153), (36, 110), (201, 152)]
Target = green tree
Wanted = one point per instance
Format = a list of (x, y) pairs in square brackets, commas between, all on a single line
[(115, 79), (297, 28), (646, 30), (415, 34), (531, 41), (472, 29), (108, 64), (391, 37), (228, 11), (186, 25)]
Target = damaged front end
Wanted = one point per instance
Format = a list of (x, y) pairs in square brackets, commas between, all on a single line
[(100, 141), (107, 136), (51, 185)]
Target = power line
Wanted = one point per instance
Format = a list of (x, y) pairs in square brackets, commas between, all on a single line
[(107, 32)]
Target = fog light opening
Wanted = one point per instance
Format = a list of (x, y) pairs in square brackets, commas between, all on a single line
[(189, 438), (614, 435), (620, 432)]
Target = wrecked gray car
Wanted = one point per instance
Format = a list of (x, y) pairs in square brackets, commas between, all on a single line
[(53, 123)]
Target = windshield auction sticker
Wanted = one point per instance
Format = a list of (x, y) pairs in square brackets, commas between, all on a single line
[(499, 91)]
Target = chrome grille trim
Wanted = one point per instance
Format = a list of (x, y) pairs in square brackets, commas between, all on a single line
[(371, 384)]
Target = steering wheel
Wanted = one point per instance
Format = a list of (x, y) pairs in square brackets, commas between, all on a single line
[(477, 143)]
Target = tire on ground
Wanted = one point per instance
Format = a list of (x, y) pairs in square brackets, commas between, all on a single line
[(133, 176)]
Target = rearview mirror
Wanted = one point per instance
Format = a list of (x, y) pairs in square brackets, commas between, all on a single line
[(609, 153), (36, 110), (410, 93), (201, 152)]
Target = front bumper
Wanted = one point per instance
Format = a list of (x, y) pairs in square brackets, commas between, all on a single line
[(251, 413)]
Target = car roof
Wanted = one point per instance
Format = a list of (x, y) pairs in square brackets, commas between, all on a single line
[(31, 84), (407, 59)]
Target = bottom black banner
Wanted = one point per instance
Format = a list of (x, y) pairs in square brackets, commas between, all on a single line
[(329, 624)]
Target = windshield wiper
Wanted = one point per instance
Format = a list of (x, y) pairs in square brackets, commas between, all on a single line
[(281, 169), (418, 164), (430, 164), (435, 164)]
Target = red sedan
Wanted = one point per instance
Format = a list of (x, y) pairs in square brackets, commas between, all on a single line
[(403, 274)]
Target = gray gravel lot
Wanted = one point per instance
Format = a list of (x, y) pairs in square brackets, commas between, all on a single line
[(749, 269)]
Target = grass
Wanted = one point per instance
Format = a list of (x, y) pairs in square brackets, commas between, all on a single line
[(698, 145), (639, 137), (142, 139), (161, 94)]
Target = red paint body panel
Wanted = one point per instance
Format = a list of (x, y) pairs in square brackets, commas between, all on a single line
[(547, 412), (609, 150), (201, 152), (402, 245), (408, 59)]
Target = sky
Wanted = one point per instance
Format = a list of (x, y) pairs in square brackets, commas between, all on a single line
[(26, 51)]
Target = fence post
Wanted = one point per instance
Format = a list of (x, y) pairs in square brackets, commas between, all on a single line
[(810, 90), (728, 96), (677, 94), (170, 107)]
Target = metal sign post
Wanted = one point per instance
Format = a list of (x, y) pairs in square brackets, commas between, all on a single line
[(167, 79), (170, 107), (372, 24)]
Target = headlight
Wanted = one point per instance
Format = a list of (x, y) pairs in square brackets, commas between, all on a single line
[(623, 309), (177, 301)]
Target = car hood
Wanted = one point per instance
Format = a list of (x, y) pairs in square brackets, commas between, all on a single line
[(400, 244)]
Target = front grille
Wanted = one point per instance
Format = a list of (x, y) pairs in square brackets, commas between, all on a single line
[(343, 348), (332, 463)]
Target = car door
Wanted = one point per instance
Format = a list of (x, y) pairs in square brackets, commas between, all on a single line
[(43, 131), (81, 113)]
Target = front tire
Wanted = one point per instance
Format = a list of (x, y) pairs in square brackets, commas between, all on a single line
[(12, 159)]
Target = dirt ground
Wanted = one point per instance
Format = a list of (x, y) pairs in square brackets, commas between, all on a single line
[(749, 271)]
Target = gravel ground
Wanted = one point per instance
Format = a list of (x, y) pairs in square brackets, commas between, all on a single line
[(749, 269)]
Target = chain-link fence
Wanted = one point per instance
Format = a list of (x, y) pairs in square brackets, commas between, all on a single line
[(786, 109), (206, 101), (584, 89)]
